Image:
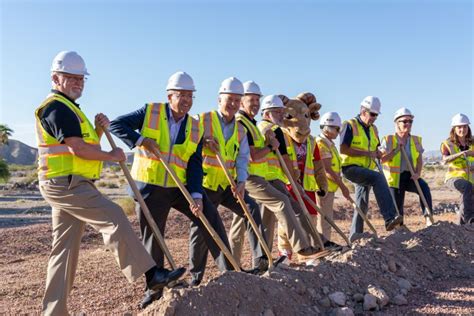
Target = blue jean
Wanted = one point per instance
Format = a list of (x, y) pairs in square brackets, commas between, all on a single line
[(408, 185), (363, 180)]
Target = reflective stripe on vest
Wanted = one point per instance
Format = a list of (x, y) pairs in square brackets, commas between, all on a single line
[(461, 167), (214, 176), (274, 171), (309, 179), (56, 159), (335, 160), (391, 168), (360, 141), (257, 167), (146, 166)]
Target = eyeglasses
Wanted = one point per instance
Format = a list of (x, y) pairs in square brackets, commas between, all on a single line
[(183, 96), (79, 79), (406, 121), (373, 114)]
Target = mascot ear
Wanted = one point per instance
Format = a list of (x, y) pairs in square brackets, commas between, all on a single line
[(314, 110), (310, 100), (284, 99)]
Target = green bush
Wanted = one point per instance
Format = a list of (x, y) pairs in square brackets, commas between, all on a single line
[(4, 172)]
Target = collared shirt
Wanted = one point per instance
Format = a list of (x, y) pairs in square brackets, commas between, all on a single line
[(243, 157), (60, 121)]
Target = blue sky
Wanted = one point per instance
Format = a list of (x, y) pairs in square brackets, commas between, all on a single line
[(416, 54)]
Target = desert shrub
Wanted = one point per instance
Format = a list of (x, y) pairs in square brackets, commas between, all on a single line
[(127, 204), (4, 171), (115, 168), (111, 185), (14, 167)]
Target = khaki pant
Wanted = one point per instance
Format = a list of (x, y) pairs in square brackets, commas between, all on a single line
[(326, 204), (278, 203), (76, 202)]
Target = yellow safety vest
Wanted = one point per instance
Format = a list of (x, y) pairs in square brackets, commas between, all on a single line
[(360, 141), (56, 159), (257, 167), (391, 168), (335, 160), (461, 167), (309, 179), (214, 176), (146, 166), (274, 171)]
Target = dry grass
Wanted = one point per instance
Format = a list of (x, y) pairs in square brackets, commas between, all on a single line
[(127, 204)]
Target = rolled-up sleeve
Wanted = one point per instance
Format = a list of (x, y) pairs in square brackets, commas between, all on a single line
[(242, 161)]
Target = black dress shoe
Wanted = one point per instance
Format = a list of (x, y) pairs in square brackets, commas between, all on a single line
[(393, 223), (162, 277), (332, 246), (261, 265), (195, 282), (150, 297)]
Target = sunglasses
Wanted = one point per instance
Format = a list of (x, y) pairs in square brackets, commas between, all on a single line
[(406, 121), (373, 114)]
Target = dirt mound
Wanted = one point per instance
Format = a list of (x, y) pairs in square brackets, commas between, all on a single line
[(371, 276)]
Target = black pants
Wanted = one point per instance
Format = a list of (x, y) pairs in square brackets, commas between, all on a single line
[(408, 185), (160, 201), (197, 246), (466, 211)]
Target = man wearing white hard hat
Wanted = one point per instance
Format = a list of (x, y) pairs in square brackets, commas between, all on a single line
[(70, 159), (257, 185), (170, 130), (222, 134), (359, 151), (330, 124), (458, 153), (395, 166)]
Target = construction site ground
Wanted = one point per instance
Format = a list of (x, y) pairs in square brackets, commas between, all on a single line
[(410, 271)]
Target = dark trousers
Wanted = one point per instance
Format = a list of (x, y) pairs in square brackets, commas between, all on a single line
[(198, 248), (408, 185), (160, 201), (466, 210), (363, 180)]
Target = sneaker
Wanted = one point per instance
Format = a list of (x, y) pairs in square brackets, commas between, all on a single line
[(393, 223)]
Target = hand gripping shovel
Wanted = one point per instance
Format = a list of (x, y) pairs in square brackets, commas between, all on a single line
[(247, 212)]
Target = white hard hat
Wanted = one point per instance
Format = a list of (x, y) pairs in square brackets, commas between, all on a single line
[(272, 102), (69, 62), (460, 119), (372, 104), (250, 87), (232, 85), (330, 119), (402, 112), (180, 81)]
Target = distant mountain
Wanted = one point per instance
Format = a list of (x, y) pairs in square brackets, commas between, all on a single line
[(18, 153)]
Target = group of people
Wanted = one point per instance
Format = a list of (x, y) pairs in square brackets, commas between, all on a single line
[(262, 157)]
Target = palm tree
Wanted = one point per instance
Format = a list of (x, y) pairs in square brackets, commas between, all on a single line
[(5, 132)]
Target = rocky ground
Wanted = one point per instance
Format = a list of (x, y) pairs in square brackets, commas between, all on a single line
[(412, 271)]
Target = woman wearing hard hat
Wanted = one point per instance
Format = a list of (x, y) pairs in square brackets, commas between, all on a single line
[(330, 125), (395, 165), (458, 153)]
